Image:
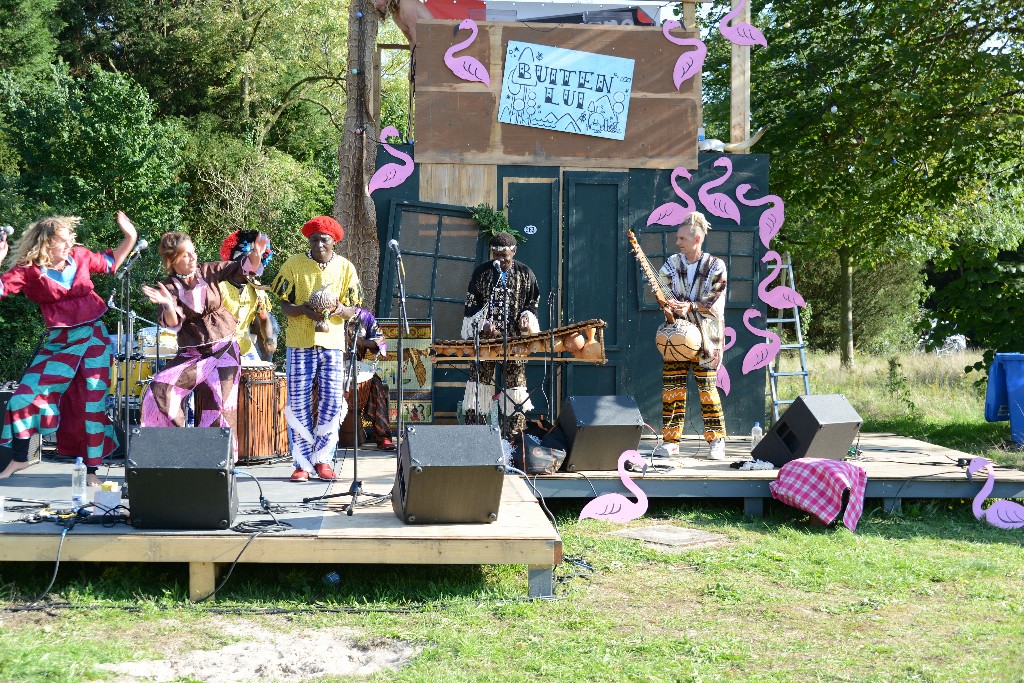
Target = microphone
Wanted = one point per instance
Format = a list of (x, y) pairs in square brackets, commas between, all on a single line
[(503, 274), (393, 246), (139, 246), (5, 232)]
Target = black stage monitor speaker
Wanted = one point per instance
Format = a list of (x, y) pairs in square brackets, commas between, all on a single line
[(35, 442), (598, 429), (816, 426), (181, 478), (449, 474)]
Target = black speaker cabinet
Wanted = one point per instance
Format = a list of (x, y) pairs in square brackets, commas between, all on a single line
[(816, 426), (35, 442), (449, 474), (598, 429), (181, 478)]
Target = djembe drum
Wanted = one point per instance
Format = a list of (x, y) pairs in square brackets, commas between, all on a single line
[(261, 426), (363, 379)]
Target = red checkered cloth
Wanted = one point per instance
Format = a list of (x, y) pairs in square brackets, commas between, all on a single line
[(816, 486)]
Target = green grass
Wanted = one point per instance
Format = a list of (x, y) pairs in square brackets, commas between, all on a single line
[(929, 594)]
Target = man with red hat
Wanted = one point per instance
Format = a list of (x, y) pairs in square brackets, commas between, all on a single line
[(319, 291)]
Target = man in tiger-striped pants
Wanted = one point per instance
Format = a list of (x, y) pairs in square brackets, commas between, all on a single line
[(697, 282)]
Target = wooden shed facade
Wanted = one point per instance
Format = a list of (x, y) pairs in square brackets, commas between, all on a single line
[(575, 197)]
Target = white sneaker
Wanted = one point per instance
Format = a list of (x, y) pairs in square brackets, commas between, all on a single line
[(717, 450), (666, 450)]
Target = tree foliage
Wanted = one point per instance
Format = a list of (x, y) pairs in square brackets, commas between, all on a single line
[(880, 117), (246, 62), (27, 42), (90, 146), (979, 286)]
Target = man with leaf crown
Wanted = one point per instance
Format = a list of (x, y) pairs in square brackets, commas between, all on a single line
[(501, 301)]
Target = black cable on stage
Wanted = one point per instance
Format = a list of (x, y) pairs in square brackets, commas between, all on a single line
[(255, 529), (53, 578), (231, 568)]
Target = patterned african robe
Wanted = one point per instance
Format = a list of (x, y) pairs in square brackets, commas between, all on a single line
[(707, 289)]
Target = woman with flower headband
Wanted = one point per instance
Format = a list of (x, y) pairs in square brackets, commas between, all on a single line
[(66, 386), (207, 362), (247, 300)]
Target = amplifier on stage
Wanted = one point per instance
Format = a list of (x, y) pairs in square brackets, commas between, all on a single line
[(181, 478), (449, 474)]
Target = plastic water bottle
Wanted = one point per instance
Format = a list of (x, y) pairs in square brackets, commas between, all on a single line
[(78, 474), (755, 435)]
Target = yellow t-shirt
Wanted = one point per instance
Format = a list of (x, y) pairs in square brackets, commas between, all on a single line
[(242, 303), (298, 279)]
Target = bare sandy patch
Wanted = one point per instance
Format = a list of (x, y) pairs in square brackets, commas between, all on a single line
[(273, 656)]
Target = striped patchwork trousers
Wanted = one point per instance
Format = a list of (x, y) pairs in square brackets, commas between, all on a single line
[(65, 391)]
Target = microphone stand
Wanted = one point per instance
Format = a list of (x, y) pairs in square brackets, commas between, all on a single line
[(502, 396), (551, 370), (476, 374), (125, 357), (403, 329), (355, 489)]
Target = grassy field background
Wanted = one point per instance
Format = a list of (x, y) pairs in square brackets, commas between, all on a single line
[(926, 594)]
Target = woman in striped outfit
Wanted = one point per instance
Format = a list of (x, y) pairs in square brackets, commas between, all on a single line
[(66, 386)]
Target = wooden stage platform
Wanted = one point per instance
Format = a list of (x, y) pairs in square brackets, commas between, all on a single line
[(322, 532), (897, 468)]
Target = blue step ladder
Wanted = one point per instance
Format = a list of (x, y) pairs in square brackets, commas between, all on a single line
[(787, 316)]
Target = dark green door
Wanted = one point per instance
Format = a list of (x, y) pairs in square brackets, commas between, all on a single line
[(594, 278), (533, 210)]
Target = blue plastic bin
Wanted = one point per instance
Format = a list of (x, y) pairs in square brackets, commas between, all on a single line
[(997, 403), (1008, 400)]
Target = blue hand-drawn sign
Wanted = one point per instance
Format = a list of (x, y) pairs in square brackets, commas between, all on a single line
[(566, 90)]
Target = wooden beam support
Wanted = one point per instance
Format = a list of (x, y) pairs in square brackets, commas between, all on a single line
[(739, 120), (202, 579), (690, 22)]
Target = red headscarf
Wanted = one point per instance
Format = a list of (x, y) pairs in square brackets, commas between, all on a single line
[(326, 225)]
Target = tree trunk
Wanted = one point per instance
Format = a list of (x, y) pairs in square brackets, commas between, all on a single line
[(845, 308), (357, 153), (243, 86)]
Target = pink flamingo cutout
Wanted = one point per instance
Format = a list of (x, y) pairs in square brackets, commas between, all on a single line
[(718, 203), (771, 220), (761, 354), (672, 213), (780, 296), (741, 33), (722, 379), (391, 175), (690, 62), (467, 68), (1004, 514), (615, 507)]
